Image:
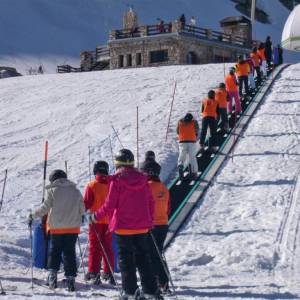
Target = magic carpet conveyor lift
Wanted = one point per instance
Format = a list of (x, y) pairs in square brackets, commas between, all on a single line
[(186, 194)]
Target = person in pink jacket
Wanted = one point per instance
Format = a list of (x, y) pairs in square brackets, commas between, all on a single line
[(130, 205)]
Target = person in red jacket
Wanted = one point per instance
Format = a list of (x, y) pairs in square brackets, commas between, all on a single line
[(209, 119), (161, 197), (95, 195), (131, 205), (232, 90)]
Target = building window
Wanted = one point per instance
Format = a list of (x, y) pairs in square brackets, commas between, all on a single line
[(138, 59), (159, 56), (129, 60), (121, 61)]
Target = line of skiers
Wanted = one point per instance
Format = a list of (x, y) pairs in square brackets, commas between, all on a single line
[(133, 204), (216, 109)]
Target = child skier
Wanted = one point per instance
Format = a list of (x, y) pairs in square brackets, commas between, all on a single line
[(65, 209), (221, 97), (232, 90), (209, 119), (131, 205), (161, 197), (95, 194)]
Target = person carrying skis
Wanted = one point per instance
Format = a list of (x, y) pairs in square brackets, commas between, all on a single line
[(161, 197), (221, 97), (95, 195), (262, 56), (256, 62), (242, 69), (209, 119), (65, 208), (232, 90), (268, 52), (149, 157), (187, 131), (131, 205)]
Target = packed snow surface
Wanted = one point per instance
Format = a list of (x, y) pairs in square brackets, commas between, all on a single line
[(241, 243)]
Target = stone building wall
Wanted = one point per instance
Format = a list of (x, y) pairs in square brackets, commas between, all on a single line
[(181, 50)]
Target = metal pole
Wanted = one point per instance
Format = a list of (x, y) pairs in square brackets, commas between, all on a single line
[(81, 255), (106, 257), (112, 154), (171, 110), (2, 290), (164, 263), (4, 184), (253, 6), (117, 136), (90, 175), (66, 167), (137, 136)]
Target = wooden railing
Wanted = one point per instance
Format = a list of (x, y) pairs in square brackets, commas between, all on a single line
[(67, 69), (202, 33)]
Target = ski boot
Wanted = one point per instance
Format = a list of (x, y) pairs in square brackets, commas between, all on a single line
[(180, 172), (142, 296), (109, 278), (70, 283), (52, 279)]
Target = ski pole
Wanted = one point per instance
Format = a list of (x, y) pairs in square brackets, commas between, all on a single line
[(117, 136), (31, 255), (2, 196), (137, 137), (112, 154), (106, 257), (2, 290), (66, 167), (171, 109), (164, 263), (90, 163), (81, 256)]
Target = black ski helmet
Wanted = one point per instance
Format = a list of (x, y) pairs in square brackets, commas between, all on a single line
[(222, 85), (57, 174), (101, 167), (124, 158), (152, 168), (211, 94), (188, 117), (150, 155)]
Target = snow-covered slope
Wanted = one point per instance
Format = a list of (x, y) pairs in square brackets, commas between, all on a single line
[(243, 242), (54, 32)]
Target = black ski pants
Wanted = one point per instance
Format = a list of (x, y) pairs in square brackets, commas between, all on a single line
[(63, 244), (243, 82), (222, 114), (258, 74), (159, 233), (134, 254), (212, 124)]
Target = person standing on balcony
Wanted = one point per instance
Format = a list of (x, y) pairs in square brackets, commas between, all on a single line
[(192, 24), (182, 21)]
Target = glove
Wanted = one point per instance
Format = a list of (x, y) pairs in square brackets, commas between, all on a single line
[(30, 219), (91, 218)]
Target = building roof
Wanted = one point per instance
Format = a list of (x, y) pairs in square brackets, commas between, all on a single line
[(234, 20)]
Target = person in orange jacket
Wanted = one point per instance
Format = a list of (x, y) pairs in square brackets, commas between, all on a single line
[(242, 70), (187, 130), (232, 90), (262, 56), (221, 97), (161, 196), (209, 119), (256, 63), (94, 198)]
